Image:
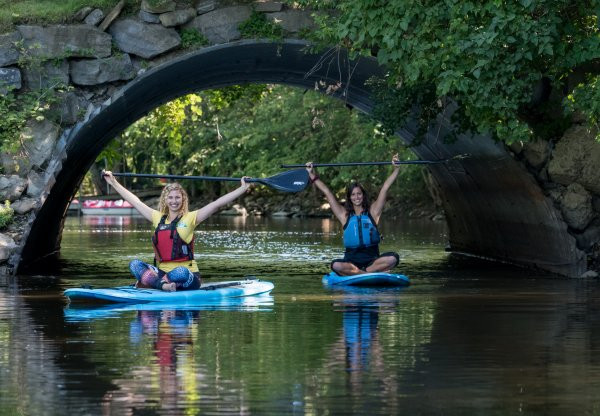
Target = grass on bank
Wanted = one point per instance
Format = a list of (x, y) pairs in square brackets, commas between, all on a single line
[(15, 12)]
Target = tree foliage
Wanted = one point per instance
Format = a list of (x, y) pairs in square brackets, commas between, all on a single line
[(488, 55), (251, 130)]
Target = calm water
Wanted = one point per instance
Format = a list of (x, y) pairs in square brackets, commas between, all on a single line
[(467, 337)]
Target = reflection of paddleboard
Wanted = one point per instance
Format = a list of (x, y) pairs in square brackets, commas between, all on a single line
[(366, 279), (74, 313), (208, 292)]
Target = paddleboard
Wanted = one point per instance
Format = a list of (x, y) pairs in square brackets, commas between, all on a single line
[(367, 279), (207, 292)]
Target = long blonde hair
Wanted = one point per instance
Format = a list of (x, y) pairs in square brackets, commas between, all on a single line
[(163, 207)]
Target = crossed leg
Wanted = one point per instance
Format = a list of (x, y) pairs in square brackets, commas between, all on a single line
[(384, 263)]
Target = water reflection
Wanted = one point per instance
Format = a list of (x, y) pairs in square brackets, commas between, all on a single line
[(171, 334), (78, 312)]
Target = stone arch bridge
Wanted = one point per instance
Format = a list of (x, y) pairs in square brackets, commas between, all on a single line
[(495, 207)]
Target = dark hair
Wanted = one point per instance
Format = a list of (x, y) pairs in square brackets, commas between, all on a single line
[(348, 204)]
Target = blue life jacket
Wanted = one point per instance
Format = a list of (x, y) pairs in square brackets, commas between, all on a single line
[(361, 231)]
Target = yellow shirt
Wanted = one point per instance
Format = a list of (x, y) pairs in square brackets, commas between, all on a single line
[(185, 229)]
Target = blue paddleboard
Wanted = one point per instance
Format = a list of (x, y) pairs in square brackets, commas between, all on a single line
[(207, 292), (367, 279)]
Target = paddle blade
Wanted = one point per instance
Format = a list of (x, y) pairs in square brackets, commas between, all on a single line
[(290, 181)]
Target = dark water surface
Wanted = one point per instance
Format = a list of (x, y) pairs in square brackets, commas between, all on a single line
[(467, 337)]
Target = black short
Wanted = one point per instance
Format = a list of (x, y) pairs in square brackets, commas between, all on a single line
[(362, 262)]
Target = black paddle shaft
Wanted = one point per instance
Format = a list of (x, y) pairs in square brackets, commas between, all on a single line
[(289, 181)]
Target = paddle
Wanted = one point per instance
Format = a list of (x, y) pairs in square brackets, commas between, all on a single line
[(290, 181), (400, 162)]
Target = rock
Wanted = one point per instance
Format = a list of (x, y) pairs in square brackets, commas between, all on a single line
[(148, 17), (141, 39), (11, 187), (158, 6), (82, 13), (205, 6), (48, 74), (589, 274), (177, 17), (94, 17), (10, 79), (268, 6), (9, 54), (576, 206), (587, 239), (24, 205), (281, 214), (236, 209), (38, 140), (35, 184), (221, 25), (10, 163), (7, 246), (99, 71), (70, 108), (575, 159), (536, 152), (112, 15), (516, 147), (59, 41), (292, 20)]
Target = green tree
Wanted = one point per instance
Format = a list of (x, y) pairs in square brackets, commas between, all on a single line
[(488, 56)]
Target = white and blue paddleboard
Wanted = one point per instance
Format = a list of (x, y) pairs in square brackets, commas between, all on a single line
[(207, 292), (367, 279)]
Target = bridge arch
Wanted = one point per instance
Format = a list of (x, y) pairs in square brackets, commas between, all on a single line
[(494, 207)]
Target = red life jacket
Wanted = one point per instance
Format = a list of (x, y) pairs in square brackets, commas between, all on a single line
[(168, 245)]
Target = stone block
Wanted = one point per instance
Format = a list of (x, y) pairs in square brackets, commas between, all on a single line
[(575, 159), (10, 79), (292, 20), (221, 25), (47, 75), (158, 6), (100, 71), (59, 41), (576, 206), (94, 18), (144, 40), (177, 17), (9, 54)]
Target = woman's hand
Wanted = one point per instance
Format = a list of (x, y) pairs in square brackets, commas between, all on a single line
[(246, 185), (394, 160), (108, 177), (312, 173)]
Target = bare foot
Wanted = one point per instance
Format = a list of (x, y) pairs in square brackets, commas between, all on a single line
[(168, 287)]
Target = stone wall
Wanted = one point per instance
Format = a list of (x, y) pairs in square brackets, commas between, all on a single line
[(567, 171)]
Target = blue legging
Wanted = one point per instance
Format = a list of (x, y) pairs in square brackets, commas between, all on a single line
[(150, 276)]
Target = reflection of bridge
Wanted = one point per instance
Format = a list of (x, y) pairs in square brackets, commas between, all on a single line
[(493, 206)]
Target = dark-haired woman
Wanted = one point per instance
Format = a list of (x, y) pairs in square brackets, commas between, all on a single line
[(359, 219)]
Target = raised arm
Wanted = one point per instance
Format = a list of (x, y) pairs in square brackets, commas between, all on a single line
[(128, 196), (337, 208), (377, 206), (209, 209)]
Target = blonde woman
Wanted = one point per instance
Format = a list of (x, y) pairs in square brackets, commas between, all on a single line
[(173, 238)]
